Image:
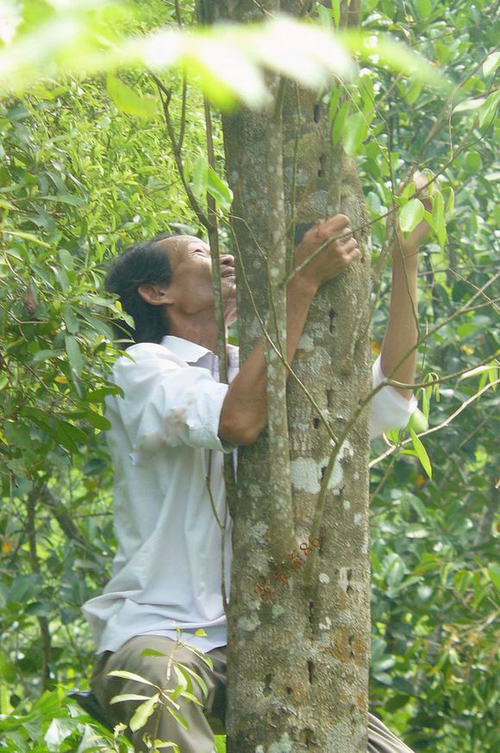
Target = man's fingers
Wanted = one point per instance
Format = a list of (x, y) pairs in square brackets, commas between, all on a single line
[(334, 224), (350, 245), (346, 234)]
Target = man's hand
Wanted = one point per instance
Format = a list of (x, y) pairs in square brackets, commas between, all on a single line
[(335, 255), (409, 248), (244, 411)]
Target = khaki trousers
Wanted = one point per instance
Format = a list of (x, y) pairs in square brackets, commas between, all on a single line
[(203, 720)]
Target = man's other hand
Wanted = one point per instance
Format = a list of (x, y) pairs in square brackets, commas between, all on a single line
[(409, 247)]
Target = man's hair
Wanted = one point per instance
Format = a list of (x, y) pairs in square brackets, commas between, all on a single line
[(141, 263)]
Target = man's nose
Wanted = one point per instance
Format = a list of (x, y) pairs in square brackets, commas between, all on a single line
[(227, 259)]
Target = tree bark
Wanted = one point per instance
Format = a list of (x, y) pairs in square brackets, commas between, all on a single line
[(298, 661)]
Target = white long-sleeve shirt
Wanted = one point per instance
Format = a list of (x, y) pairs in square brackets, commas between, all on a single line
[(167, 569)]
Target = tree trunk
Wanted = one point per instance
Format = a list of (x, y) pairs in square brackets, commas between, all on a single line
[(298, 660)]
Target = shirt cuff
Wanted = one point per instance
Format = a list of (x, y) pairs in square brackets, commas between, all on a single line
[(395, 396), (390, 410)]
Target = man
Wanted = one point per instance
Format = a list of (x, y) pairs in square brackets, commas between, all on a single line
[(167, 570)]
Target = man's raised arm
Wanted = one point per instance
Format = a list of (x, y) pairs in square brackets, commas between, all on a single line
[(401, 335)]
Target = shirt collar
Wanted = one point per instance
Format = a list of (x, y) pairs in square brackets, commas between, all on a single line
[(185, 349), (191, 352)]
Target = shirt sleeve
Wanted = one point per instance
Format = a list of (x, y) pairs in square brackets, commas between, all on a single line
[(390, 410), (166, 404)]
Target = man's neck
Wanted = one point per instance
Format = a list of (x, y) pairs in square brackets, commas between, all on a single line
[(200, 332)]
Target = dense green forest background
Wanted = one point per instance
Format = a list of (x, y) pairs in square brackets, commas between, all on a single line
[(86, 168)]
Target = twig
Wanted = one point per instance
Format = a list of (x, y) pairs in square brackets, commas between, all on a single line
[(165, 96)]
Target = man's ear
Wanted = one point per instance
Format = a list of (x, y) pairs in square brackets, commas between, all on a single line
[(156, 295)]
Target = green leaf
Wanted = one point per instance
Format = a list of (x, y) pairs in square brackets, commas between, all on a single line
[(421, 453), (180, 669), (325, 17), (129, 697), (336, 12), (424, 8), (125, 675), (160, 744), (414, 92), (191, 697), (25, 236), (66, 198), (178, 717), (438, 217), (201, 682), (98, 395), (380, 49), (416, 531), (355, 132), (58, 731), (411, 214), (450, 202), (72, 324), (178, 690), (489, 108), (200, 176), (128, 101), (491, 63), (469, 104), (151, 652), (200, 631), (418, 421), (202, 655), (339, 122), (74, 355), (478, 370), (66, 259), (217, 188), (494, 573), (143, 712), (97, 421)]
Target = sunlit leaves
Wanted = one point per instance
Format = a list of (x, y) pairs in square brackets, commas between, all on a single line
[(128, 101), (411, 215), (126, 675), (338, 128), (421, 452), (494, 573), (491, 63), (488, 110), (379, 49), (424, 8), (469, 104), (204, 178), (438, 217), (143, 712), (200, 176), (479, 370), (418, 421), (228, 61), (355, 131), (218, 188)]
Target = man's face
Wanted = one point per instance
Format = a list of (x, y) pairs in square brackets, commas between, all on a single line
[(191, 288)]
